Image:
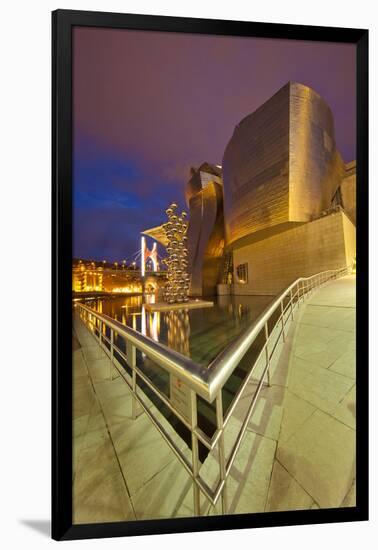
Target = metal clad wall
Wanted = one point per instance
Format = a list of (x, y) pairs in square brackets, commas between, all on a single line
[(193, 234), (348, 191), (281, 164), (316, 168), (256, 170), (213, 250), (205, 232)]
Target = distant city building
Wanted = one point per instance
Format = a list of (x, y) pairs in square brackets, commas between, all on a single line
[(86, 276), (93, 277)]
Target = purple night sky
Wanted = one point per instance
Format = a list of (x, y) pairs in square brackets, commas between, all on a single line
[(148, 105)]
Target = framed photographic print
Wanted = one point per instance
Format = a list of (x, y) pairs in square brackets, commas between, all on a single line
[(210, 185)]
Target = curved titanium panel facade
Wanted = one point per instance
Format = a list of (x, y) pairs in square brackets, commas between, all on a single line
[(348, 191), (204, 195), (281, 164), (256, 170), (316, 167)]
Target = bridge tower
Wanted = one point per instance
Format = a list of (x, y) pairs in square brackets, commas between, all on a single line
[(146, 253)]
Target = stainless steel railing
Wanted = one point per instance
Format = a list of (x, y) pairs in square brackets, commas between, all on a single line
[(205, 382)]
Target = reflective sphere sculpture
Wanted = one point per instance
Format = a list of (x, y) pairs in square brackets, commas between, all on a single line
[(177, 287)]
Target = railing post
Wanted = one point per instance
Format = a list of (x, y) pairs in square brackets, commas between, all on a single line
[(267, 360), (131, 361), (100, 335), (291, 304), (282, 322), (222, 457), (111, 353), (298, 295), (195, 458)]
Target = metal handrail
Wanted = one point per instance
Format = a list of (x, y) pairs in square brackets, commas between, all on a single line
[(221, 368), (189, 372), (206, 382)]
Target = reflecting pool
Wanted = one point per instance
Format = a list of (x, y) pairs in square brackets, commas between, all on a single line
[(197, 333)]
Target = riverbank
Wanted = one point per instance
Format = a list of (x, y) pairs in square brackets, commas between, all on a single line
[(84, 295)]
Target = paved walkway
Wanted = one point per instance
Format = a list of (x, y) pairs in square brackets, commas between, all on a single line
[(314, 464), (115, 458), (298, 451)]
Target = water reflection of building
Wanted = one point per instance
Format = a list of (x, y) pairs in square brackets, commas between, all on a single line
[(178, 328), (289, 200)]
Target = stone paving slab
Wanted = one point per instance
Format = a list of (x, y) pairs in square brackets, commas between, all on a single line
[(320, 456), (296, 411), (167, 494), (267, 415), (345, 411), (319, 386), (249, 479), (285, 492)]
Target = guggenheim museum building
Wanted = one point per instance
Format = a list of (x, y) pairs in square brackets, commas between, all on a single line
[(281, 206)]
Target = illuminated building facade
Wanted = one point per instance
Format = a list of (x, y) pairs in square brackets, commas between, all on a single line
[(288, 197), (281, 166), (87, 277), (103, 277), (346, 194), (204, 197)]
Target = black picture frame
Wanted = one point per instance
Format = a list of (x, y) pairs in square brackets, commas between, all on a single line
[(63, 22)]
